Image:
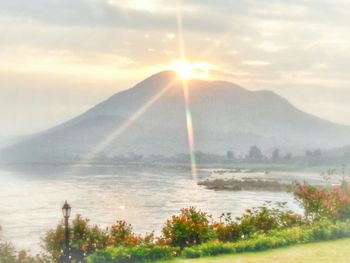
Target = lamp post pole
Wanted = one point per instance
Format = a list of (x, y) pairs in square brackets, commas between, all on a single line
[(66, 213)]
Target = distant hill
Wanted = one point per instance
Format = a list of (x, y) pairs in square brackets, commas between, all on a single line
[(225, 117)]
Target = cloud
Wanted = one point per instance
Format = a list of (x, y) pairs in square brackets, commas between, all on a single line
[(294, 47), (98, 13)]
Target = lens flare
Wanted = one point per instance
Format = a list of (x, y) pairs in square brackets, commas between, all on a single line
[(185, 85), (190, 131)]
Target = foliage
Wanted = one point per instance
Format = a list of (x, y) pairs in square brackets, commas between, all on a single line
[(227, 229), (130, 254), (189, 228), (264, 219), (322, 230), (8, 254), (84, 239), (121, 233), (255, 154), (321, 203)]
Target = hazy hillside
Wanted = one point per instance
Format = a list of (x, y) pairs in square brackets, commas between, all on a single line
[(225, 116)]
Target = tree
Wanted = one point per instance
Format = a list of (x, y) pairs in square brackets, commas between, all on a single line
[(84, 239), (275, 155), (255, 154)]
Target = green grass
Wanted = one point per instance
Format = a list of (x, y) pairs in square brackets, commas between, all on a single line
[(331, 251)]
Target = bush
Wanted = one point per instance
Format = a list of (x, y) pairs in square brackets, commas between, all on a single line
[(264, 219), (130, 254), (323, 230), (121, 233), (227, 230), (8, 254), (189, 228), (84, 239), (321, 203)]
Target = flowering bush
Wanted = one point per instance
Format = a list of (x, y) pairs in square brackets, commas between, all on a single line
[(189, 228), (227, 229), (319, 202), (121, 233), (84, 239)]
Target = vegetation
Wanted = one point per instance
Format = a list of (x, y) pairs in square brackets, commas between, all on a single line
[(190, 227), (323, 230), (130, 254), (246, 185), (8, 254), (254, 156), (321, 203), (335, 251)]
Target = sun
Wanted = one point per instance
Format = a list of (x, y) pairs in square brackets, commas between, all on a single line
[(187, 70)]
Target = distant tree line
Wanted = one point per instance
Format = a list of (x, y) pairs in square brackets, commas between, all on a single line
[(253, 156)]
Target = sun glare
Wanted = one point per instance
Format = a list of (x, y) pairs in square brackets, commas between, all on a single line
[(187, 70)]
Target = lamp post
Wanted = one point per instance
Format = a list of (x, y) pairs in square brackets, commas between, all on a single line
[(66, 213)]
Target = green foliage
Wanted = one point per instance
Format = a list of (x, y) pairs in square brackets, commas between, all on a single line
[(227, 229), (264, 219), (323, 230), (189, 228), (130, 254), (8, 254), (256, 220)]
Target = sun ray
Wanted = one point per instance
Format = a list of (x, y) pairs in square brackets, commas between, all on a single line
[(120, 129), (185, 84), (187, 72)]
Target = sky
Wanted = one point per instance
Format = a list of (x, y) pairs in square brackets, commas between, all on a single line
[(61, 57)]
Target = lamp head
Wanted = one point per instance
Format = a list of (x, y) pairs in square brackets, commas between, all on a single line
[(66, 210)]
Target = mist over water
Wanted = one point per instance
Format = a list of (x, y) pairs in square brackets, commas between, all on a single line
[(31, 198)]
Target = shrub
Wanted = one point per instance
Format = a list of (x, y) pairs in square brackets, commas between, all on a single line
[(8, 254), (189, 228), (264, 219), (322, 230), (321, 203), (84, 239), (130, 254), (121, 233), (227, 229)]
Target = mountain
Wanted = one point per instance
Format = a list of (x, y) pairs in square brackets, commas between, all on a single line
[(225, 117)]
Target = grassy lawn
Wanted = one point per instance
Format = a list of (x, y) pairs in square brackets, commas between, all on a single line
[(330, 251)]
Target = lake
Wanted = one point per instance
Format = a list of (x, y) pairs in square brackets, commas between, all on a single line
[(31, 198)]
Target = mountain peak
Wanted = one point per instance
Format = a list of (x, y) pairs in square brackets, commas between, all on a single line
[(225, 117)]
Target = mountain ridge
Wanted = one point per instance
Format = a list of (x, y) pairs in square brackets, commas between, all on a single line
[(225, 117)]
